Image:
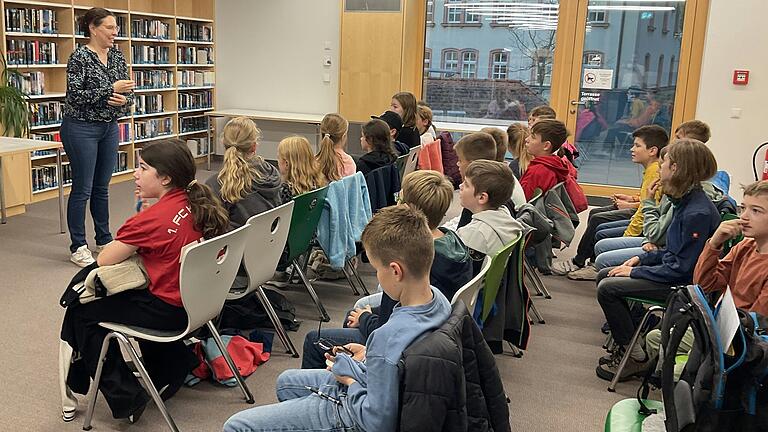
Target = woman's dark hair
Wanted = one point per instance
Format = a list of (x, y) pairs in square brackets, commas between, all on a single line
[(376, 132), (94, 16), (172, 158)]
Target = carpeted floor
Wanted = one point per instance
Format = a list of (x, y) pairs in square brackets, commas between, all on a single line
[(553, 387)]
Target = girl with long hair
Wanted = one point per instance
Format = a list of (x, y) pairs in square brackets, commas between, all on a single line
[(185, 213), (334, 162), (377, 142), (298, 165), (404, 103), (247, 184), (517, 133), (427, 130)]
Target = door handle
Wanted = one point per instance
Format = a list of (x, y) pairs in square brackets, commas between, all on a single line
[(575, 102)]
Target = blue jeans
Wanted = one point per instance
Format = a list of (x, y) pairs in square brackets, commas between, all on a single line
[(611, 229), (92, 151), (313, 356), (299, 409), (614, 251)]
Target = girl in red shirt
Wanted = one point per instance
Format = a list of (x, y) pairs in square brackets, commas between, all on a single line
[(185, 213)]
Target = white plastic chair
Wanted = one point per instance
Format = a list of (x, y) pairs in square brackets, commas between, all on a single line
[(412, 161), (207, 272), (468, 293), (267, 235)]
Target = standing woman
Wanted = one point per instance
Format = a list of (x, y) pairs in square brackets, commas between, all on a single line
[(404, 103), (99, 92)]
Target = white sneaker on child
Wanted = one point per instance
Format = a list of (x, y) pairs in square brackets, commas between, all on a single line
[(82, 256), (562, 268), (587, 273)]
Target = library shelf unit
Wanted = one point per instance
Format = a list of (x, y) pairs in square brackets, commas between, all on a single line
[(170, 49)]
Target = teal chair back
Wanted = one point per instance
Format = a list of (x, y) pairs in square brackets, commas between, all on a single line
[(307, 209)]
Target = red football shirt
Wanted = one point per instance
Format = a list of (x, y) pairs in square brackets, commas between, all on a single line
[(160, 232)]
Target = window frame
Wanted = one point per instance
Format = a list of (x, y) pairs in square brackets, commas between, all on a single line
[(492, 63), (444, 61), (476, 62)]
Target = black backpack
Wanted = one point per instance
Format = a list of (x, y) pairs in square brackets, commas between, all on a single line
[(716, 391)]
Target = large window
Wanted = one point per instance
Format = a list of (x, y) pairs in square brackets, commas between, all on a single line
[(495, 59)]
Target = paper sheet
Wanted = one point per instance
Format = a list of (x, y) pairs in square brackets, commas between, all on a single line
[(727, 319)]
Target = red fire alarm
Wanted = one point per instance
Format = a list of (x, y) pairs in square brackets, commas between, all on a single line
[(741, 77)]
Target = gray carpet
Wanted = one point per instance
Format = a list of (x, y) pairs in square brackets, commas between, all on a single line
[(552, 387)]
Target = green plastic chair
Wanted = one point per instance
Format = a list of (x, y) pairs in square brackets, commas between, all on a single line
[(400, 163), (624, 415), (307, 209), (493, 278)]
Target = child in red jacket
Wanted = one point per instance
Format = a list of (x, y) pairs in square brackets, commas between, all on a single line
[(546, 169)]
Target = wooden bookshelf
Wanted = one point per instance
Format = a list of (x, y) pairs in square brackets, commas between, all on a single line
[(194, 14)]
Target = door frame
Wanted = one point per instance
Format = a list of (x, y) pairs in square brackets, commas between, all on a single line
[(572, 28)]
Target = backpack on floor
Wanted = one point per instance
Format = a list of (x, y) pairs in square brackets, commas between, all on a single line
[(716, 391)]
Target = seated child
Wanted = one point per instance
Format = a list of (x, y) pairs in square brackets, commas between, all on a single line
[(247, 184), (377, 142), (424, 124), (544, 112), (516, 135), (744, 269), (431, 193), (686, 164), (334, 162), (395, 123), (298, 165), (361, 391), (501, 140), (486, 187), (404, 104), (546, 169)]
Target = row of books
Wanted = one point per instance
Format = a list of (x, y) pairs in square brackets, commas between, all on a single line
[(45, 136), (45, 176), (198, 146), (25, 52), (31, 83), (152, 79), (194, 55), (148, 54), (45, 113), (148, 103), (30, 20), (150, 29), (195, 100), (188, 78), (193, 123), (151, 128), (197, 32), (124, 132)]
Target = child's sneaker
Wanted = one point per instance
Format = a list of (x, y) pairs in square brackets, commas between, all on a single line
[(588, 273), (82, 256), (562, 268)]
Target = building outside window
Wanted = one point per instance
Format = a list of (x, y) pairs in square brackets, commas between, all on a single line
[(469, 64), (451, 60), (499, 64)]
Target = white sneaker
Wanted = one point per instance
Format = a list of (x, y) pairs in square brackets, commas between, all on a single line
[(562, 268), (82, 256)]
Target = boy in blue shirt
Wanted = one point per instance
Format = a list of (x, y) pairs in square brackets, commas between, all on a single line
[(361, 391)]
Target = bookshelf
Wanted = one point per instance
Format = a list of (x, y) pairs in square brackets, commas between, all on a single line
[(170, 49)]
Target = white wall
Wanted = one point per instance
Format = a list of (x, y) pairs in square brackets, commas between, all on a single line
[(270, 56), (736, 39)]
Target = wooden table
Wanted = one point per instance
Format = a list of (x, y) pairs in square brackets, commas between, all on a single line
[(10, 146), (287, 117)]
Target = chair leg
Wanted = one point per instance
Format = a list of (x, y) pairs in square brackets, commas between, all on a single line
[(608, 345), (279, 329), (536, 313), (540, 287), (516, 352), (528, 276), (240, 382), (348, 277), (323, 314), (150, 386), (635, 338), (359, 279)]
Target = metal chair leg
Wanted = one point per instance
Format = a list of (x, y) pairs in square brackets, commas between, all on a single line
[(540, 287), (536, 313), (150, 386), (279, 329), (516, 352), (348, 277), (239, 378), (359, 279), (635, 338), (533, 283), (323, 314)]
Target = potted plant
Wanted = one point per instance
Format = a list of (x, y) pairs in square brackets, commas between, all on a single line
[(14, 104)]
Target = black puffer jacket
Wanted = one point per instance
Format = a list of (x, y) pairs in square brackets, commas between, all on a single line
[(450, 382)]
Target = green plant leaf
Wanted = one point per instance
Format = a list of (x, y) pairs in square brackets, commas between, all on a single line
[(15, 108)]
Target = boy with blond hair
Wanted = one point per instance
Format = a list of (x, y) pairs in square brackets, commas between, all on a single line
[(361, 391), (487, 186), (501, 139), (472, 147), (431, 193)]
